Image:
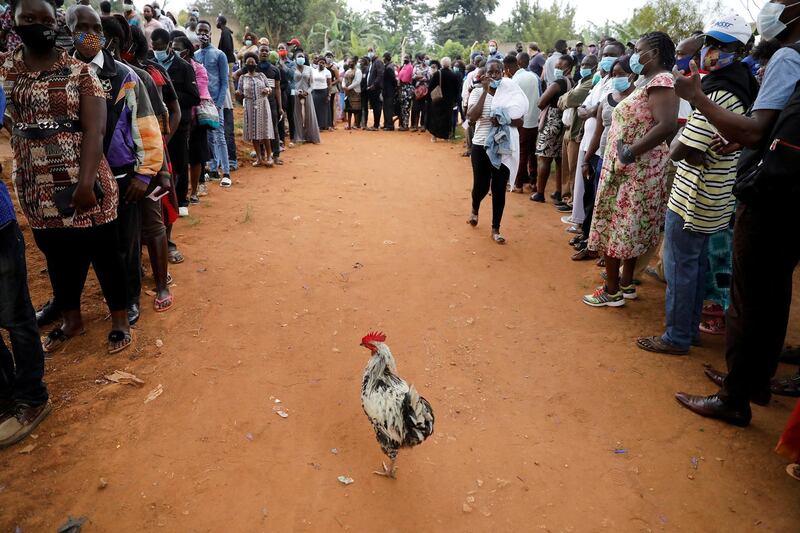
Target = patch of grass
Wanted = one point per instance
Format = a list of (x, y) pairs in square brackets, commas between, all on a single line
[(193, 221)]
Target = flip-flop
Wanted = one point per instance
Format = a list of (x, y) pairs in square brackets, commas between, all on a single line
[(117, 336), (499, 239), (714, 310), (793, 470), (715, 326), (473, 220), (175, 257), (159, 304), (57, 339), (656, 345)]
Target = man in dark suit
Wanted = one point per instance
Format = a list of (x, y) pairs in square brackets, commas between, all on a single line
[(389, 91), (375, 87)]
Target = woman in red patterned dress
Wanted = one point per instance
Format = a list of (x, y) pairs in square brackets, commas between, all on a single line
[(63, 182)]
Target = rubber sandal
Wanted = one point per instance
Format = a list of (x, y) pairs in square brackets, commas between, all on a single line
[(713, 309), (256, 163), (270, 163), (176, 258), (793, 470), (584, 255), (715, 326), (575, 240), (278, 161), (786, 387), (499, 239), (225, 182), (158, 304), (473, 220), (656, 345), (116, 336), (56, 340)]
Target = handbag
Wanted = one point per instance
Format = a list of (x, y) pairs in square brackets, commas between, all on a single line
[(207, 114), (568, 117), (421, 92), (436, 94)]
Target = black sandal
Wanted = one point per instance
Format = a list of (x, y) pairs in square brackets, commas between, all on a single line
[(57, 339), (119, 337), (575, 240)]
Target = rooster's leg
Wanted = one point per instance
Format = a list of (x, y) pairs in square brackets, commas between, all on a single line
[(388, 471)]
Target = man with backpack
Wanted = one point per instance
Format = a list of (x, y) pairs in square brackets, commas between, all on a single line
[(767, 186)]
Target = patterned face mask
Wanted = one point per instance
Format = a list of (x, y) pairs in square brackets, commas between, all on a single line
[(89, 42)]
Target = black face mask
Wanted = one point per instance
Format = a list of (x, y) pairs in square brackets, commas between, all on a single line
[(37, 37), (250, 68)]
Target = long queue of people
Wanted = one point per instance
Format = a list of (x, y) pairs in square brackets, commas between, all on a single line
[(682, 153)]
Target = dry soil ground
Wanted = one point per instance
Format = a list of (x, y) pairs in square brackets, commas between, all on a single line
[(547, 416)]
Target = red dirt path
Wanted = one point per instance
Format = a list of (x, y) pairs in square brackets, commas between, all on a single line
[(533, 391)]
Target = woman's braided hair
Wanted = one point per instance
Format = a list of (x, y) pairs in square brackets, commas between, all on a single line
[(661, 42)]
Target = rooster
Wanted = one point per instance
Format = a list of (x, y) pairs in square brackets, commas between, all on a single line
[(401, 417)]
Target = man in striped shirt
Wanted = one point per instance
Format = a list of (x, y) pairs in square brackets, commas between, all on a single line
[(701, 202)]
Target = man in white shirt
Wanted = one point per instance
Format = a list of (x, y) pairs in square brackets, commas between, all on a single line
[(516, 69), (549, 66)]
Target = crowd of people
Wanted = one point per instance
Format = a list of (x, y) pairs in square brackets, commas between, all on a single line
[(641, 142)]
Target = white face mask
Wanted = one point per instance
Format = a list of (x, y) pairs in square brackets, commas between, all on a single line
[(769, 22)]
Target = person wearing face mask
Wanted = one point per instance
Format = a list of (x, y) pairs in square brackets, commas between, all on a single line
[(79, 228), (578, 55), (151, 23), (494, 53), (583, 190), (629, 209), (573, 128), (440, 114), (199, 150), (405, 78), (249, 46), (496, 99), (559, 49), (701, 201), (551, 129), (516, 69), (763, 263), (252, 89), (131, 15), (389, 92), (159, 15), (620, 81), (216, 65), (375, 88), (306, 127)]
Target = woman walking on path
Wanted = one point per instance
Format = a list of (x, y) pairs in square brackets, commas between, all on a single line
[(306, 128), (254, 92), (631, 199)]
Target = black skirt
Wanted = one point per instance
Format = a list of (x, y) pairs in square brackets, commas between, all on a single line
[(199, 152)]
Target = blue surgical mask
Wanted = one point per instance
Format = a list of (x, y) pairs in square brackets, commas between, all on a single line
[(682, 64), (161, 55), (606, 63), (596, 78), (768, 20), (636, 62), (620, 84), (456, 70), (494, 84), (558, 73), (370, 54), (301, 60), (492, 49), (586, 72), (248, 42)]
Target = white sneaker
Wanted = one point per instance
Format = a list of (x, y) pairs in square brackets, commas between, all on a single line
[(183, 211), (567, 220), (202, 190)]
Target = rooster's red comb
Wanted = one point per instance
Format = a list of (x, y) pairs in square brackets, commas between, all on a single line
[(373, 336)]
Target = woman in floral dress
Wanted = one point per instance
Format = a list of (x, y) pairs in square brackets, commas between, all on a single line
[(631, 200), (253, 90)]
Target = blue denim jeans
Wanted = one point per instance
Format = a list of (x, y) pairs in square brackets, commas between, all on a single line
[(685, 268), (21, 373), (219, 146)]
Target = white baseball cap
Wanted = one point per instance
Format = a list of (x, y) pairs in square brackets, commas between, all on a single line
[(729, 28)]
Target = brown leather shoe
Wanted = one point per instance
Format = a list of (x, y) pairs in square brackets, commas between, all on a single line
[(25, 419), (717, 378), (715, 407)]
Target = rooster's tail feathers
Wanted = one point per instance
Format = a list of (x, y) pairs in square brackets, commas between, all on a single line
[(418, 416)]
